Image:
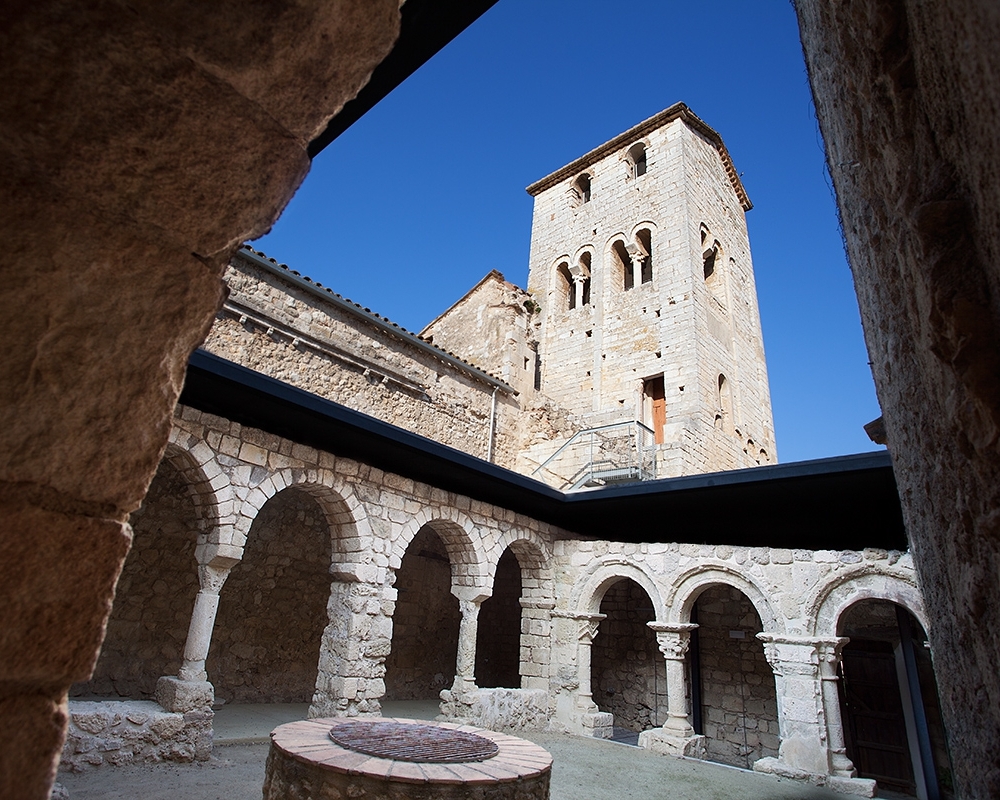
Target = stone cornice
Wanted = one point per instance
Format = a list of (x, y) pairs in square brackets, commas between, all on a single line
[(676, 111)]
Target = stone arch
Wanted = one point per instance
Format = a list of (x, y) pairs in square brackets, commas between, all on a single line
[(147, 628), (828, 603), (589, 591), (619, 275), (207, 483), (560, 279), (646, 224), (469, 564), (513, 620), (351, 536), (533, 554), (686, 588), (636, 159), (275, 604)]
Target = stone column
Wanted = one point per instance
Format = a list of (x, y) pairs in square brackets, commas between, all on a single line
[(804, 699), (465, 666), (676, 736), (829, 652), (585, 638), (191, 688), (578, 281)]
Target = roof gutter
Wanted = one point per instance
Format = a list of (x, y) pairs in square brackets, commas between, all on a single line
[(328, 296)]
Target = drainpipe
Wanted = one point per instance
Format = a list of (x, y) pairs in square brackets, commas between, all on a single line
[(493, 424)]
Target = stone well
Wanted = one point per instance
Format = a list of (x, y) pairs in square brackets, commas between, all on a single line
[(417, 759)]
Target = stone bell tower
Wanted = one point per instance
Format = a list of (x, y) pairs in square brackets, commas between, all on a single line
[(640, 264)]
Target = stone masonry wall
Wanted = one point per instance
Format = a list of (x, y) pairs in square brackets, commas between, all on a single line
[(498, 646), (739, 708), (133, 731), (425, 623), (627, 668), (272, 609), (596, 356), (155, 595), (371, 521), (291, 334), (494, 327)]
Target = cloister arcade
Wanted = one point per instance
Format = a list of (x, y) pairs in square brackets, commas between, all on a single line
[(265, 571)]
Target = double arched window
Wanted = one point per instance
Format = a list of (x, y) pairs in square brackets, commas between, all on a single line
[(634, 261)]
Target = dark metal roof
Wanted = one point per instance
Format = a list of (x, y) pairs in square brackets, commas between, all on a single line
[(843, 503), (426, 26)]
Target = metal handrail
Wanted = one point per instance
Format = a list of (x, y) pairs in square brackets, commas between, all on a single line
[(633, 468)]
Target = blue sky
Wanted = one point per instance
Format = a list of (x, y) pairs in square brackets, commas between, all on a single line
[(423, 196)]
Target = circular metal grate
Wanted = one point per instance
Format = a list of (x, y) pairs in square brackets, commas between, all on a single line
[(411, 741)]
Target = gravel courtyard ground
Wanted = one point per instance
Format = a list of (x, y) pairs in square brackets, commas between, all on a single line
[(584, 769)]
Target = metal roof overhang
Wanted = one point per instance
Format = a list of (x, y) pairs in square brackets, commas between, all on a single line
[(843, 503)]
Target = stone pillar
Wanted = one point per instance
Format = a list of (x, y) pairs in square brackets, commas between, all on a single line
[(829, 652), (191, 688), (578, 282), (676, 736), (536, 642), (636, 257), (465, 666), (356, 641), (585, 638), (807, 750)]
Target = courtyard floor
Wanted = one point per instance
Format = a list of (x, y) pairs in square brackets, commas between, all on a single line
[(583, 769)]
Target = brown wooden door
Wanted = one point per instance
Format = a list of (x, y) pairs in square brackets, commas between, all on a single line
[(873, 716), (654, 391)]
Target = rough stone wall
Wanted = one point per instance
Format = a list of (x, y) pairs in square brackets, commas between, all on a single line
[(116, 225), (272, 609), (739, 707), (294, 335), (155, 594), (908, 100), (595, 357), (493, 326), (425, 623), (798, 594), (374, 521), (627, 668), (121, 733), (498, 646)]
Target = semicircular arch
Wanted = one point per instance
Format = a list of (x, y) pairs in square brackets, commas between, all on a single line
[(469, 564), (602, 575), (825, 608), (689, 585)]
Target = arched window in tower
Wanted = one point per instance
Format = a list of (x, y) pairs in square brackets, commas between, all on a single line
[(724, 415), (582, 188), (583, 268), (565, 286), (622, 264), (645, 240), (636, 158)]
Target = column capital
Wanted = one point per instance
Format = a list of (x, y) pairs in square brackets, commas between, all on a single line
[(212, 576), (790, 655), (673, 639)]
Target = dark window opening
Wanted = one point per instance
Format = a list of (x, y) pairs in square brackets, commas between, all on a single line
[(645, 239)]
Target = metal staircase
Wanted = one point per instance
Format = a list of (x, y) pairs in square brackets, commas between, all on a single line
[(622, 452)]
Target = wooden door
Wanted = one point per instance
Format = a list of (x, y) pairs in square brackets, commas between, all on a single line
[(653, 390), (874, 725)]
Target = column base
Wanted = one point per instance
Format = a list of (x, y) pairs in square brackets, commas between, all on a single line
[(665, 743), (599, 724), (859, 787), (174, 694)]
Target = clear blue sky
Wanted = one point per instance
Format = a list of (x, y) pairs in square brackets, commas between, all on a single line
[(416, 202)]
